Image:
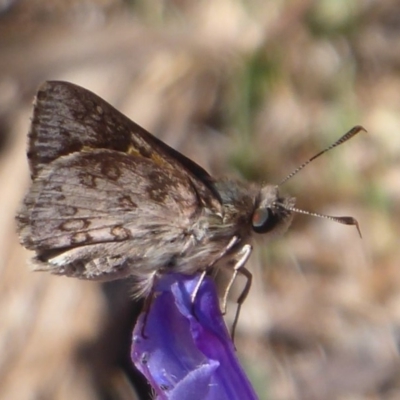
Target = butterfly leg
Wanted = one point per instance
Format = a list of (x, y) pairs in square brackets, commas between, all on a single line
[(234, 241), (146, 309), (242, 256), (241, 298)]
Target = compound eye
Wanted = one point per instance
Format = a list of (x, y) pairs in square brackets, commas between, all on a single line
[(264, 220)]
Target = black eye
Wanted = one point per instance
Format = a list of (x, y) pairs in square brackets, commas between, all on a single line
[(264, 220)]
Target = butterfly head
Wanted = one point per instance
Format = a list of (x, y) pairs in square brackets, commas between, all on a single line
[(272, 213)]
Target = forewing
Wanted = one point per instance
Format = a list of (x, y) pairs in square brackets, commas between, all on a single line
[(89, 213), (68, 119)]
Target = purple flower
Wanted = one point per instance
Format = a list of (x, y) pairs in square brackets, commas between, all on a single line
[(185, 351)]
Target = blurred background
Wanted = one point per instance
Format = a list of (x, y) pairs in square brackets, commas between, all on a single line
[(245, 88)]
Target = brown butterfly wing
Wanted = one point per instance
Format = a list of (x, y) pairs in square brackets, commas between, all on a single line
[(107, 199), (68, 118), (104, 214)]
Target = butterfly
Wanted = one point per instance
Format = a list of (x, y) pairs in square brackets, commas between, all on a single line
[(108, 200)]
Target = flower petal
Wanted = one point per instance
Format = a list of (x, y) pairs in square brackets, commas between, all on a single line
[(184, 349)]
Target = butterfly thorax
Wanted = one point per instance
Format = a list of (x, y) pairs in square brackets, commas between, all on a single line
[(238, 204)]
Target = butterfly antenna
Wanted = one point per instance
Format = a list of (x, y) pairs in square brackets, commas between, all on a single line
[(352, 132), (340, 220)]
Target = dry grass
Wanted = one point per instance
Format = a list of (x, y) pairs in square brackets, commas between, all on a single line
[(247, 88)]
